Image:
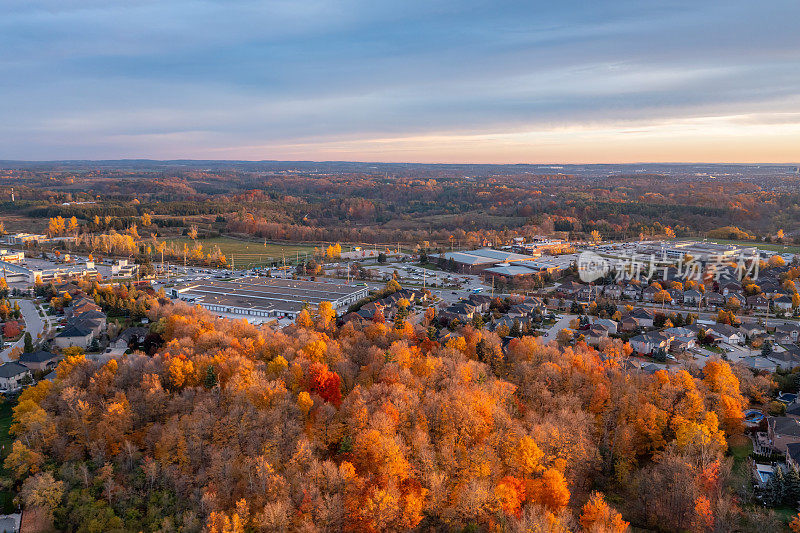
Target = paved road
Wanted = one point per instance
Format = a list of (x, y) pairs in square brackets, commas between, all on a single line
[(562, 323), (708, 315), (33, 323)]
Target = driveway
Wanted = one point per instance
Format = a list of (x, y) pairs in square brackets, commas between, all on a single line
[(33, 323), (563, 323)]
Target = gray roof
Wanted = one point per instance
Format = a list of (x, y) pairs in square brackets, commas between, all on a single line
[(37, 357), (74, 331), (91, 314), (12, 369), (724, 329), (793, 451), (784, 425)]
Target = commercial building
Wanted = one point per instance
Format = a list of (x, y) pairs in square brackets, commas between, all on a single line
[(675, 250), (23, 238), (479, 260), (268, 297), (10, 256), (539, 245), (20, 273), (14, 273), (552, 265)]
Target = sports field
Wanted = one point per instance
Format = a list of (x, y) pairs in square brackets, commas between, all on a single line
[(782, 248), (249, 253)]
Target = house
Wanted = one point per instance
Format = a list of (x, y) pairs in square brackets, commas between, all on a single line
[(348, 317), (692, 297), (782, 431), (73, 336), (789, 330), (595, 334), (12, 374), (463, 310), (793, 410), (783, 302), (519, 311), (758, 363), (631, 292), (649, 292), (651, 368), (643, 316), (730, 287), (569, 288), (41, 360), (610, 325), (481, 302), (758, 302), (135, 336), (787, 359), (371, 308), (676, 295), (90, 314), (793, 455), (751, 329), (715, 299), (647, 343), (613, 292), (629, 324), (94, 325), (727, 334), (681, 345)]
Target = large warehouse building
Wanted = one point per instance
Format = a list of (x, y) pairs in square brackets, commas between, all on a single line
[(476, 261), (268, 297)]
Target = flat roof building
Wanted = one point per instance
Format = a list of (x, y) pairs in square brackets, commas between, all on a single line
[(268, 297), (481, 259)]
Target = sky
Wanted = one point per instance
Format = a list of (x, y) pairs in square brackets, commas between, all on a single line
[(419, 81)]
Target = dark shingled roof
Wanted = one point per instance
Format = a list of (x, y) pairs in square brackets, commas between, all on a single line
[(11, 369), (37, 357), (74, 331)]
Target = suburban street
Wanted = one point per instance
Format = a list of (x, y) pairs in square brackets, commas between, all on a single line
[(563, 323), (33, 323)]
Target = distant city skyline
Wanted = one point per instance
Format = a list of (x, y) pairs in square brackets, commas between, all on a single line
[(451, 82)]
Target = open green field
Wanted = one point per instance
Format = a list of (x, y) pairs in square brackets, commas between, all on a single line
[(783, 248), (249, 253)]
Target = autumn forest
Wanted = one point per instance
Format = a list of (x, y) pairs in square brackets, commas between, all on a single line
[(323, 428)]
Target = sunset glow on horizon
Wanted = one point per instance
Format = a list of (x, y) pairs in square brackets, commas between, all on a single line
[(481, 82)]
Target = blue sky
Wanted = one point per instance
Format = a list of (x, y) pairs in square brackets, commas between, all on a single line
[(602, 81)]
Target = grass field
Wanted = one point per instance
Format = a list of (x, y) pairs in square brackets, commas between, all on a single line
[(783, 248), (248, 253)]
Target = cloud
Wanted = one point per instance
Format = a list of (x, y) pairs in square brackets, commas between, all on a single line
[(256, 79)]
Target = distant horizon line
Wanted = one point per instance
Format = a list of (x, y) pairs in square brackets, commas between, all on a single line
[(365, 162)]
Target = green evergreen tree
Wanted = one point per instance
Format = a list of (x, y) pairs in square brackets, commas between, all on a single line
[(28, 342), (793, 486), (516, 329), (766, 348), (210, 381), (480, 351), (775, 491)]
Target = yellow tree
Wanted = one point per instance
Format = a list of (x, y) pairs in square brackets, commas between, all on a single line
[(326, 314), (598, 517)]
